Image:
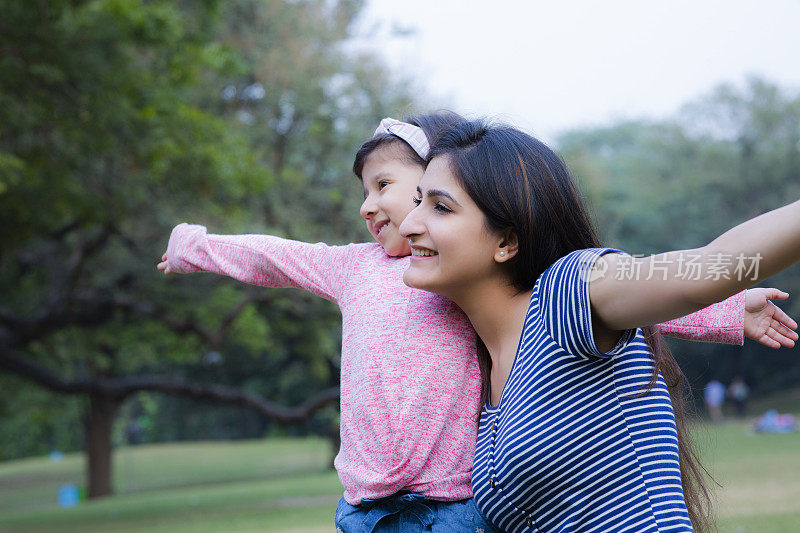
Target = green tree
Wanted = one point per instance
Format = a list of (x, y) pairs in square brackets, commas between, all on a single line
[(122, 118), (679, 183)]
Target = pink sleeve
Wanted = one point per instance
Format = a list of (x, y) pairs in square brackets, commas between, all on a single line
[(722, 322), (261, 259)]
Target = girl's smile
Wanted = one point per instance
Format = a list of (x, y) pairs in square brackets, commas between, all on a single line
[(379, 227)]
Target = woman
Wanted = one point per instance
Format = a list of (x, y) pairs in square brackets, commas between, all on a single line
[(582, 424)]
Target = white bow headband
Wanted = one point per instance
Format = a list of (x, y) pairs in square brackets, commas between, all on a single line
[(411, 134)]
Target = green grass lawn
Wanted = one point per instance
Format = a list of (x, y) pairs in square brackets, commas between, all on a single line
[(760, 478), (284, 485), (269, 485)]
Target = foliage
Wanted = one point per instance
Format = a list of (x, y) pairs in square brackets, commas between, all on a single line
[(677, 184), (122, 118)]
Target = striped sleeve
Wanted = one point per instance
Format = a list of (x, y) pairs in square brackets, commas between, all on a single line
[(565, 307), (263, 260)]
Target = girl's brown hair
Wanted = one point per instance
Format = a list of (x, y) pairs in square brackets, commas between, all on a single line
[(432, 124), (522, 185)]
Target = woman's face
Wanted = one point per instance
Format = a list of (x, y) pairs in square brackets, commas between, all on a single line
[(451, 247)]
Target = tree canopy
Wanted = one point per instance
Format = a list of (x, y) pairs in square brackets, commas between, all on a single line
[(677, 184), (121, 119)]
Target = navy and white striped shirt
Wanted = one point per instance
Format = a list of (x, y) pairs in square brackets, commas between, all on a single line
[(573, 444)]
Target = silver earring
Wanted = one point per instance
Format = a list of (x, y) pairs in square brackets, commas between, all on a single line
[(502, 254)]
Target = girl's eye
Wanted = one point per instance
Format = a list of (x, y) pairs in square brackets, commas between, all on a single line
[(416, 200), (382, 184)]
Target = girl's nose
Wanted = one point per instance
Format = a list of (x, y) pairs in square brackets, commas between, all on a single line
[(369, 207)]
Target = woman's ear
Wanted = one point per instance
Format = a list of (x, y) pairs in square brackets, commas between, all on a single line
[(507, 246)]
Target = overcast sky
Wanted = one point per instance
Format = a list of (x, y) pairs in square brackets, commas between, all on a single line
[(549, 66)]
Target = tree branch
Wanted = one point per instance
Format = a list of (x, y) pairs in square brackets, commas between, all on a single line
[(127, 241), (120, 388), (230, 396), (213, 338), (66, 228), (78, 258), (55, 312), (96, 307), (25, 329)]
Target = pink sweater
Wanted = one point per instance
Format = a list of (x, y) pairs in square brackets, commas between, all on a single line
[(410, 383)]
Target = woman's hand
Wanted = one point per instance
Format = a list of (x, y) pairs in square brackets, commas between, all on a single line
[(765, 322), (164, 265)]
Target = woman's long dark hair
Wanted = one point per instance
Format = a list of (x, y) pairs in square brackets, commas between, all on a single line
[(522, 185), (432, 124)]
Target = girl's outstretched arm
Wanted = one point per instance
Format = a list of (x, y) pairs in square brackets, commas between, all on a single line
[(260, 259), (749, 313), (721, 322), (627, 292)]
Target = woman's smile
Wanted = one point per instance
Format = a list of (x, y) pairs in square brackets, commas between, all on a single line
[(458, 251), (419, 252)]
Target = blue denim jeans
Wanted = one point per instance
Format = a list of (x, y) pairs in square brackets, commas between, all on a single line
[(406, 512)]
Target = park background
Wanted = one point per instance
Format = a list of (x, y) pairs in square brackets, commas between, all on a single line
[(197, 403)]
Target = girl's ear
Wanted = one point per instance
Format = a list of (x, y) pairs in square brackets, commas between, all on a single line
[(507, 247)]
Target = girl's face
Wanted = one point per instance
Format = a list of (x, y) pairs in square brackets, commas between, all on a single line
[(390, 185), (451, 247)]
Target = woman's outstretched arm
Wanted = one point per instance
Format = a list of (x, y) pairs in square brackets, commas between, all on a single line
[(628, 292)]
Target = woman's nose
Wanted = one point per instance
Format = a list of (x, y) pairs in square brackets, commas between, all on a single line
[(411, 224)]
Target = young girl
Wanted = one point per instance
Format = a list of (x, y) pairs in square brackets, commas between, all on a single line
[(577, 431), (409, 375)]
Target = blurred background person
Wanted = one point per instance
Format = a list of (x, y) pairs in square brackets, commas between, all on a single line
[(738, 392), (714, 396)]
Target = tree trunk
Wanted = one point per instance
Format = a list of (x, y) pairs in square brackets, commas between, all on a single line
[(99, 422), (335, 438)]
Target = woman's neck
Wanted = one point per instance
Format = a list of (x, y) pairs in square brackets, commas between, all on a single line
[(497, 312)]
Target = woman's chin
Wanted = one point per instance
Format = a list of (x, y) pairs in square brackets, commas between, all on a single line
[(412, 279), (418, 280)]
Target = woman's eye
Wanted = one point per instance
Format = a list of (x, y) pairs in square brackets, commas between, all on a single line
[(438, 206), (382, 184)]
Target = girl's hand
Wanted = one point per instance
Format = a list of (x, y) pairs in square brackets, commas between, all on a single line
[(164, 265), (765, 322)]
